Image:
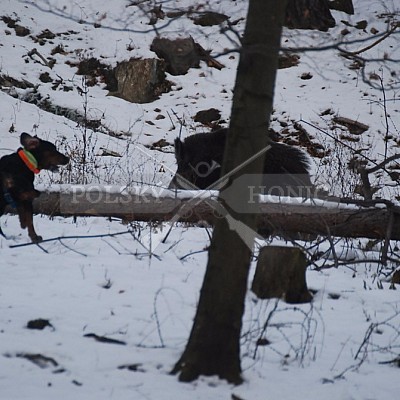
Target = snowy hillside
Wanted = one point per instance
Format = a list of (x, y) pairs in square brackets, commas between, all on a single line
[(116, 317)]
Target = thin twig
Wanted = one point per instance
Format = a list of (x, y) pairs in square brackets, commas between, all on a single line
[(382, 164), (265, 326), (386, 114), (73, 250), (156, 317), (59, 238), (343, 144), (193, 252), (41, 248), (381, 39), (333, 250), (348, 262), (386, 242)]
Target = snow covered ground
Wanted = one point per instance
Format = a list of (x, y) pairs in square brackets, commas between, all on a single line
[(109, 286)]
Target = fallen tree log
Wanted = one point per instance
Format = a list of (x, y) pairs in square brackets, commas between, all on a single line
[(372, 219)]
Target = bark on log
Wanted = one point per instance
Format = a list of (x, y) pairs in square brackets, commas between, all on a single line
[(281, 273), (277, 216)]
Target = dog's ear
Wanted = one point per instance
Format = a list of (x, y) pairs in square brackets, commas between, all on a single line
[(29, 142)]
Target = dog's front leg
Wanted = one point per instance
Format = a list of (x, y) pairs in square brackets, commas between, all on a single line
[(22, 215), (25, 211)]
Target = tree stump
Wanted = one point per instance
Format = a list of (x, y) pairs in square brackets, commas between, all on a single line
[(140, 80), (281, 273)]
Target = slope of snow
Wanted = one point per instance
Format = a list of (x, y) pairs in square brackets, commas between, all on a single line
[(133, 288)]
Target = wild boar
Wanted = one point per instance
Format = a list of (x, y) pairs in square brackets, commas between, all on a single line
[(200, 156)]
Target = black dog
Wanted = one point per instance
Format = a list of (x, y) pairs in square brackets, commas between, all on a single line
[(17, 172)]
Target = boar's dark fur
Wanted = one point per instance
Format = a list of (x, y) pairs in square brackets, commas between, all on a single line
[(199, 158)]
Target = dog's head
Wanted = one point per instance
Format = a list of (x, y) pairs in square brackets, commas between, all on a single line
[(46, 154)]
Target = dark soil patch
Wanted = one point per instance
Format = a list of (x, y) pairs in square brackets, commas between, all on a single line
[(209, 18), (45, 77), (104, 339), (298, 136), (97, 71), (12, 23), (8, 82), (39, 324), (288, 60), (210, 117), (40, 360)]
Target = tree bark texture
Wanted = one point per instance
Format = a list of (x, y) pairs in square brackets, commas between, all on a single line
[(214, 343)]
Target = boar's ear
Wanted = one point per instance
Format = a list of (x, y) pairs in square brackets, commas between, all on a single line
[(179, 149), (29, 142)]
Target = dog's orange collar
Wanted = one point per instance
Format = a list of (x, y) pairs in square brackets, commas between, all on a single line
[(30, 161)]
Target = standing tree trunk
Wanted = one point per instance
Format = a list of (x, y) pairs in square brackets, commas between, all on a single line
[(214, 344)]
